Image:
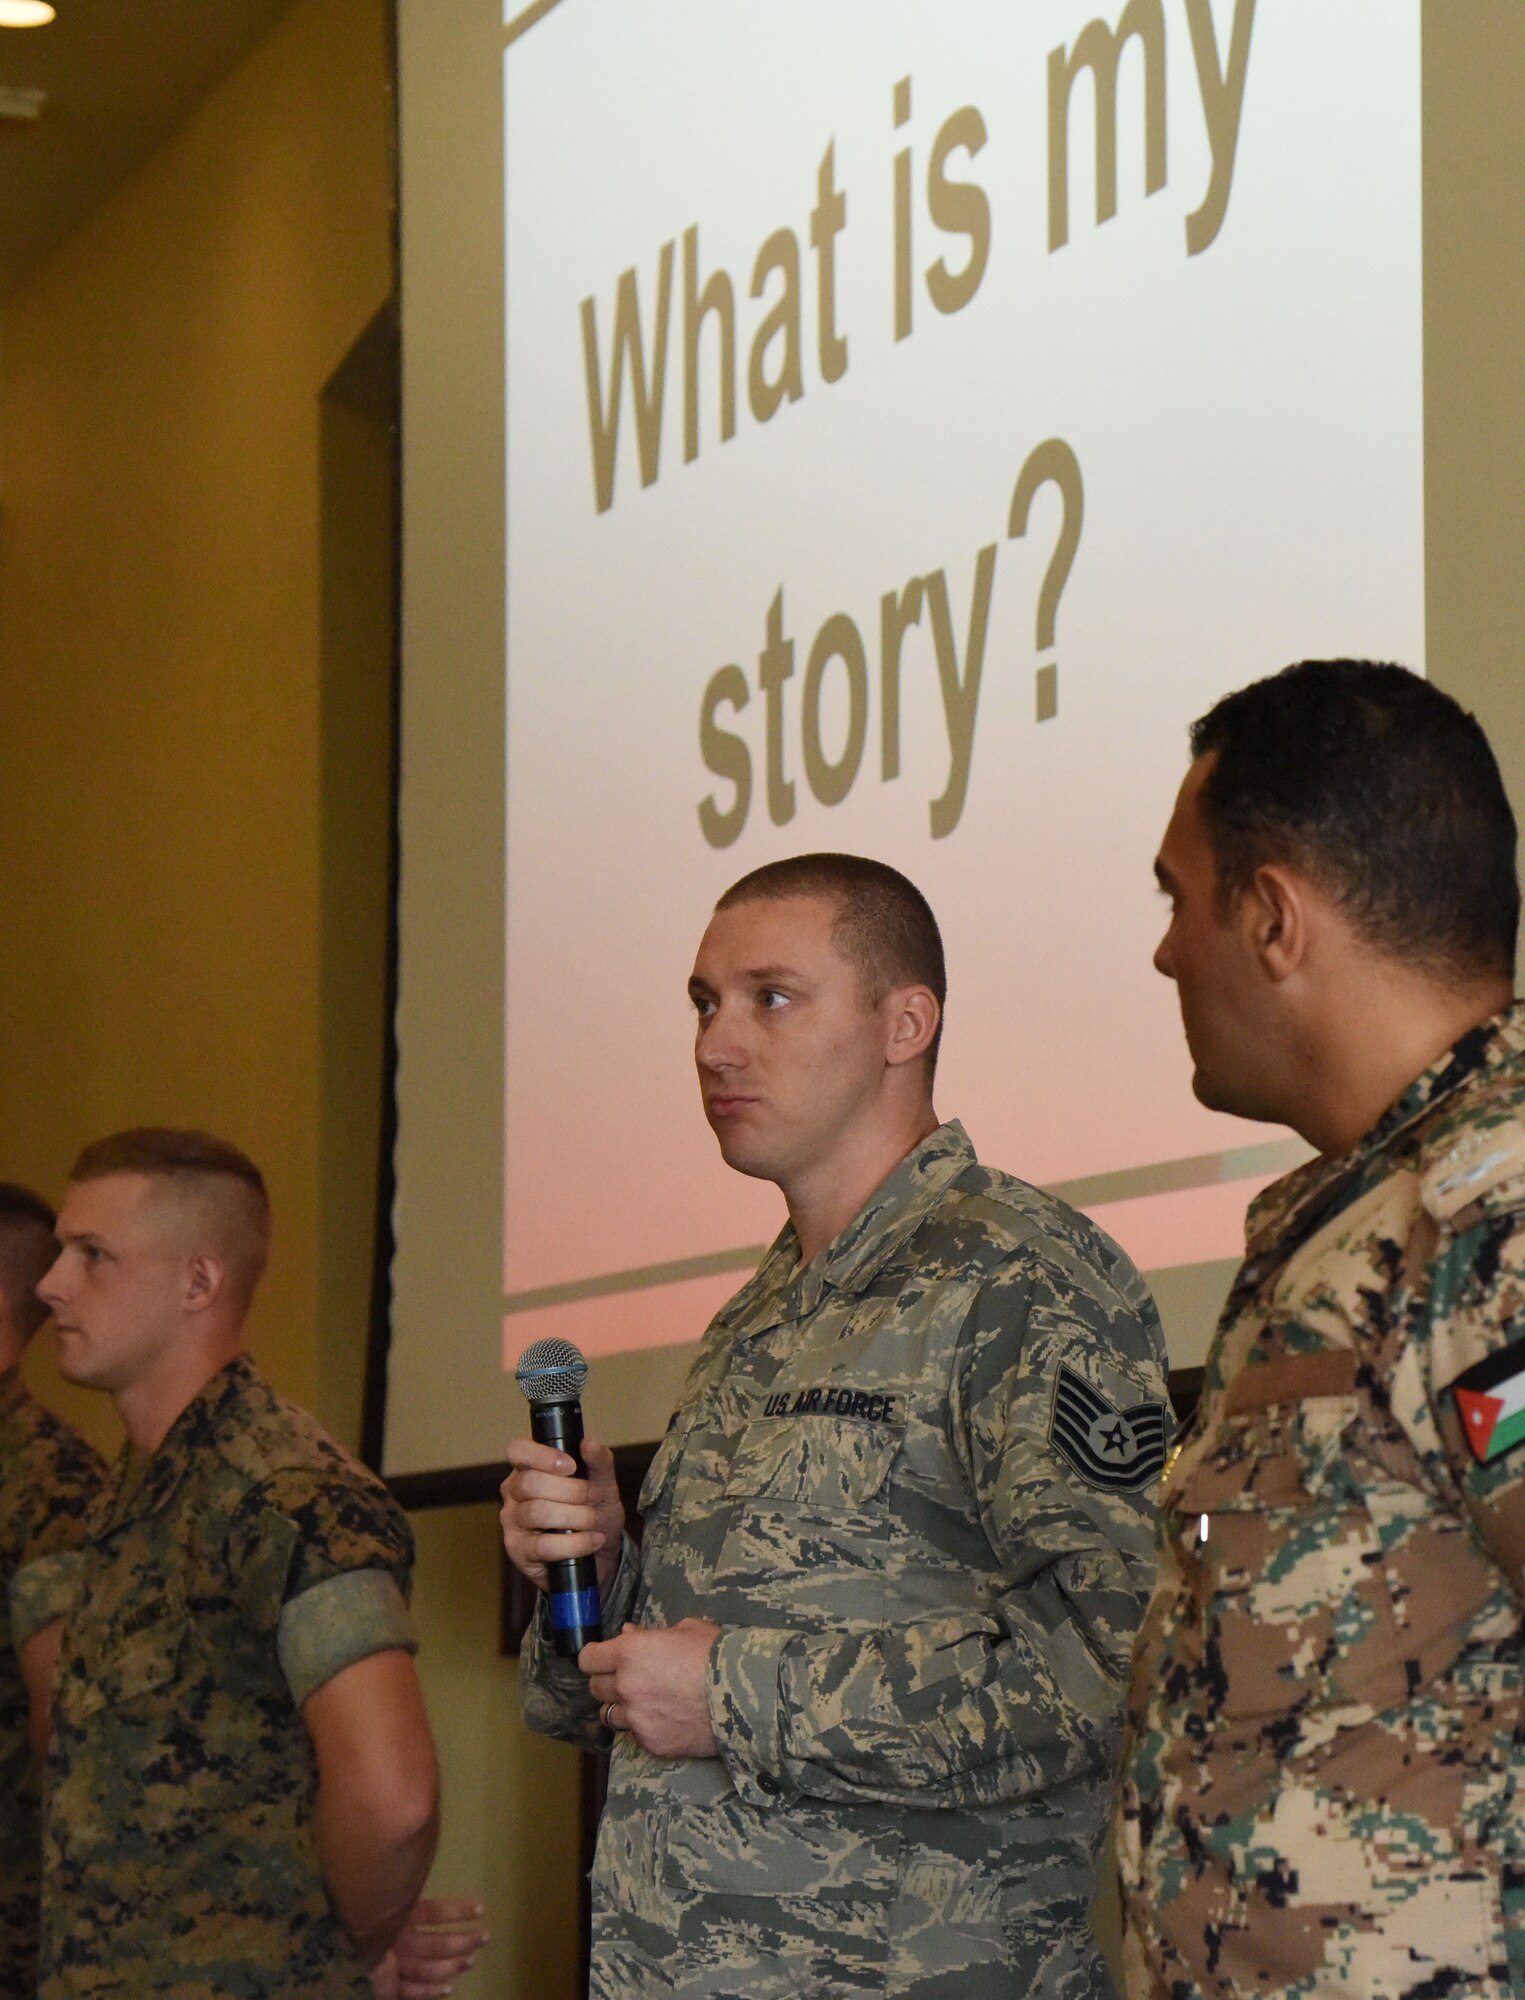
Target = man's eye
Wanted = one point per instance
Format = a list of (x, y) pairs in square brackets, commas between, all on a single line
[(773, 999), (702, 1007)]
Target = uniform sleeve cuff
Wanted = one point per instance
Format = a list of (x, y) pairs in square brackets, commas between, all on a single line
[(337, 1622), (43, 1591), (742, 1691)]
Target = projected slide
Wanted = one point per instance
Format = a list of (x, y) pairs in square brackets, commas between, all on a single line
[(916, 415)]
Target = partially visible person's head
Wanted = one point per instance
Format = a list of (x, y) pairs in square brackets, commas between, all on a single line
[(1384, 792), (1342, 786), (161, 1232), (818, 987), (27, 1248)]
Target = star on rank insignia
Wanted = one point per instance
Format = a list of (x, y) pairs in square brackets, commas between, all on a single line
[(1120, 1449)]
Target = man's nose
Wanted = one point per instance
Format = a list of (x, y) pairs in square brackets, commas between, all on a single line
[(49, 1287), (720, 1045), (1163, 961)]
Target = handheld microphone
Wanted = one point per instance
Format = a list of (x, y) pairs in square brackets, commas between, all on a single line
[(551, 1373)]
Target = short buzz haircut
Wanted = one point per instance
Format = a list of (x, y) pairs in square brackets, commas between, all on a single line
[(884, 925), (204, 1167), (1382, 790), (27, 1250)]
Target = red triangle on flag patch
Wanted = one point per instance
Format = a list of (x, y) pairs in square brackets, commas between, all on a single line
[(1479, 1413)]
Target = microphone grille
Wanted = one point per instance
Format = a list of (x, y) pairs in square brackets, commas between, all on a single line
[(551, 1371)]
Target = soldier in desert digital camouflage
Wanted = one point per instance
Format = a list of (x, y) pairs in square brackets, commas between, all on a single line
[(1322, 1780), (864, 1715)]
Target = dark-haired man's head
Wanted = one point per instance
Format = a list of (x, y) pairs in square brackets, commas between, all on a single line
[(27, 1248), (819, 988), (1342, 843), (163, 1236), (1385, 792)]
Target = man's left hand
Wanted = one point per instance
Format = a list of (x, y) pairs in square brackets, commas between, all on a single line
[(442, 1939), (651, 1681)]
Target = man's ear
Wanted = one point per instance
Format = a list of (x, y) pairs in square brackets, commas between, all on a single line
[(1277, 911), (205, 1279), (914, 1018)]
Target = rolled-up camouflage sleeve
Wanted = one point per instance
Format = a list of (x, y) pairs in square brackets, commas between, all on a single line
[(43, 1592), (971, 1708), (552, 1691), (322, 1563)]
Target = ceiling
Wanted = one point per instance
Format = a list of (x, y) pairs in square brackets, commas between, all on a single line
[(119, 76)]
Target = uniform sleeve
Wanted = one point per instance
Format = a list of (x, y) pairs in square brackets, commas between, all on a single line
[(960, 1710), (65, 1478), (552, 1691), (322, 1563), (1476, 1364), (44, 1590)]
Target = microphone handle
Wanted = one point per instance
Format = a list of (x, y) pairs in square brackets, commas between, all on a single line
[(572, 1586)]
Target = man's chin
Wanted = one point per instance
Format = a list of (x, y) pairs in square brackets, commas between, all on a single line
[(739, 1157), (73, 1364), (1215, 1093)]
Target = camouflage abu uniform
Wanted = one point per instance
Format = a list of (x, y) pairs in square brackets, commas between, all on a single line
[(1322, 1788), (48, 1478), (913, 1483), (228, 1576)]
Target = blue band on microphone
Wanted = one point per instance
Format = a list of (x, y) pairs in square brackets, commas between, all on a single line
[(570, 1608)]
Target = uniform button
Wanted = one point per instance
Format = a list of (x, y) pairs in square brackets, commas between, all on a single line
[(768, 1784)]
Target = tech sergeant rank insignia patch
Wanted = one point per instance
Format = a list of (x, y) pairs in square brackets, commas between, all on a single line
[(1107, 1446)]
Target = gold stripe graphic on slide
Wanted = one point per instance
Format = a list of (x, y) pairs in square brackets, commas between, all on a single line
[(526, 19), (1239, 1163)]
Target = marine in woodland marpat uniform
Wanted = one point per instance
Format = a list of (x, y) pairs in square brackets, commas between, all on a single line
[(898, 1534), (1322, 1784), (241, 1790), (48, 1477)]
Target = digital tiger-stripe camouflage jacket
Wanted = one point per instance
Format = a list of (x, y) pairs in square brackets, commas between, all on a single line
[(913, 1483)]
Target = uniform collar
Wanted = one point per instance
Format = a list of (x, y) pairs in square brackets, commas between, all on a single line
[(138, 1490), (848, 1264), (1283, 1210)]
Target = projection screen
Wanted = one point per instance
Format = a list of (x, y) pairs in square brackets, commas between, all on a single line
[(879, 427)]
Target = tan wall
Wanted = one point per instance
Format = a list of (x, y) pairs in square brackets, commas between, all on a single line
[(159, 631), (194, 599)]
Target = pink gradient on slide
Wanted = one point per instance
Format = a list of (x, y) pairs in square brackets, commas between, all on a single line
[(1196, 1226), (658, 1316), (1191, 1226)]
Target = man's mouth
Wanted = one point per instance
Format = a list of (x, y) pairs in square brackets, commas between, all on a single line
[(726, 1104)]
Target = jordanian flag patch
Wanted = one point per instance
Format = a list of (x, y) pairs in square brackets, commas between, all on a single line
[(1490, 1400), (1107, 1446)]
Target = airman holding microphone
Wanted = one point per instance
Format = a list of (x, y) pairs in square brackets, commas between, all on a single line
[(865, 1675)]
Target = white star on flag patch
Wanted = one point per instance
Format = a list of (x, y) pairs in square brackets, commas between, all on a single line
[(1490, 1400)]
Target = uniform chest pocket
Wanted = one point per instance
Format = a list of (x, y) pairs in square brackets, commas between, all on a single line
[(135, 1675), (823, 1464), (1291, 1571), (807, 1524)]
